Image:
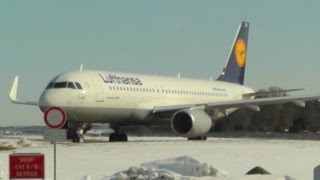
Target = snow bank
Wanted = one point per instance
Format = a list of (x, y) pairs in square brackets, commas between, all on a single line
[(86, 178), (23, 142), (1, 175), (169, 169), (8, 145), (258, 177), (141, 173), (186, 166), (182, 168)]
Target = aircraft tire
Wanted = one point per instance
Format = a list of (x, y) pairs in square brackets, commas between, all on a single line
[(123, 137), (113, 137), (73, 135), (76, 139), (118, 137)]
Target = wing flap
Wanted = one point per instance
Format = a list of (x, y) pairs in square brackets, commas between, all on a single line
[(263, 101), (271, 92), (249, 103)]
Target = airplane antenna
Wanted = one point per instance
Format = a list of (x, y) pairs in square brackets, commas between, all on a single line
[(81, 67)]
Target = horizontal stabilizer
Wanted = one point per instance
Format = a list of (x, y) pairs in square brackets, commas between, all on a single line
[(13, 94), (255, 94)]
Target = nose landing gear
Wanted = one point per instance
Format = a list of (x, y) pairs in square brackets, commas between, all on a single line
[(76, 131)]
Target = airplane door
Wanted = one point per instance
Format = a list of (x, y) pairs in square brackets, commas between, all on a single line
[(97, 84)]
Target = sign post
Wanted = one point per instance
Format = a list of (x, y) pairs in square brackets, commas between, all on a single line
[(55, 118), (55, 135)]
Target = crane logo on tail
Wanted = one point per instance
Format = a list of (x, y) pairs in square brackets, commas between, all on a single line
[(240, 52)]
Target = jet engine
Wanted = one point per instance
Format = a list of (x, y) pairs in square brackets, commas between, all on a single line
[(191, 123)]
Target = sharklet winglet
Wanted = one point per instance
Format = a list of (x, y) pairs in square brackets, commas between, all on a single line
[(13, 94)]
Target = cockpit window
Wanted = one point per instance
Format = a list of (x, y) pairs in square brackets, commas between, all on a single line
[(71, 85), (78, 85), (50, 85), (60, 85)]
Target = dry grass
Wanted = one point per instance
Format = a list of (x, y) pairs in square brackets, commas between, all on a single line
[(6, 148)]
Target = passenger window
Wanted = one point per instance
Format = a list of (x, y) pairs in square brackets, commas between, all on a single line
[(78, 85), (60, 85), (71, 85)]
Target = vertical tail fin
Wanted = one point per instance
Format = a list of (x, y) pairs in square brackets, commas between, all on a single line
[(235, 66)]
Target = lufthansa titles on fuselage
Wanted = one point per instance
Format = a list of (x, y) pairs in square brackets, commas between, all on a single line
[(115, 79)]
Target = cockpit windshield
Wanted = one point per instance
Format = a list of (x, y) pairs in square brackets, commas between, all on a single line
[(59, 85), (78, 85), (50, 85), (71, 85)]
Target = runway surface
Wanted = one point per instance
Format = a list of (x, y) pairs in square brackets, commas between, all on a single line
[(96, 159)]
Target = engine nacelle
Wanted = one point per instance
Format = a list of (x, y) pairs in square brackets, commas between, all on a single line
[(191, 123)]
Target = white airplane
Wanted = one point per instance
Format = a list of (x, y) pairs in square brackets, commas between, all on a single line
[(191, 106)]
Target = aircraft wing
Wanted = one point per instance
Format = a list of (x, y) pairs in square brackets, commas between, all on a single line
[(271, 92), (13, 94), (252, 104)]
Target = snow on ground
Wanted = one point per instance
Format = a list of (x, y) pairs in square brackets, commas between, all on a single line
[(295, 158), (172, 168)]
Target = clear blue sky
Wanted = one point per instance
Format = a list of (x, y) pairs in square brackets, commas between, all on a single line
[(40, 39)]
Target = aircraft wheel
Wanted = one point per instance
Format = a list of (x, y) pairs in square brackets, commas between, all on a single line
[(123, 137), (118, 137), (76, 139), (113, 137)]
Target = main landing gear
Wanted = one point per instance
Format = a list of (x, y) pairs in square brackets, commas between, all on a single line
[(117, 136)]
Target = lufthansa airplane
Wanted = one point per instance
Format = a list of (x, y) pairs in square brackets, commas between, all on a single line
[(190, 106)]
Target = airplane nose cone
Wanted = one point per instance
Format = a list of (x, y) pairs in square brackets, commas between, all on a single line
[(49, 99), (44, 102)]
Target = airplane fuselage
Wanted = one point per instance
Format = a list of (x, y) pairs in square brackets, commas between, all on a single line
[(125, 99), (121, 99)]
